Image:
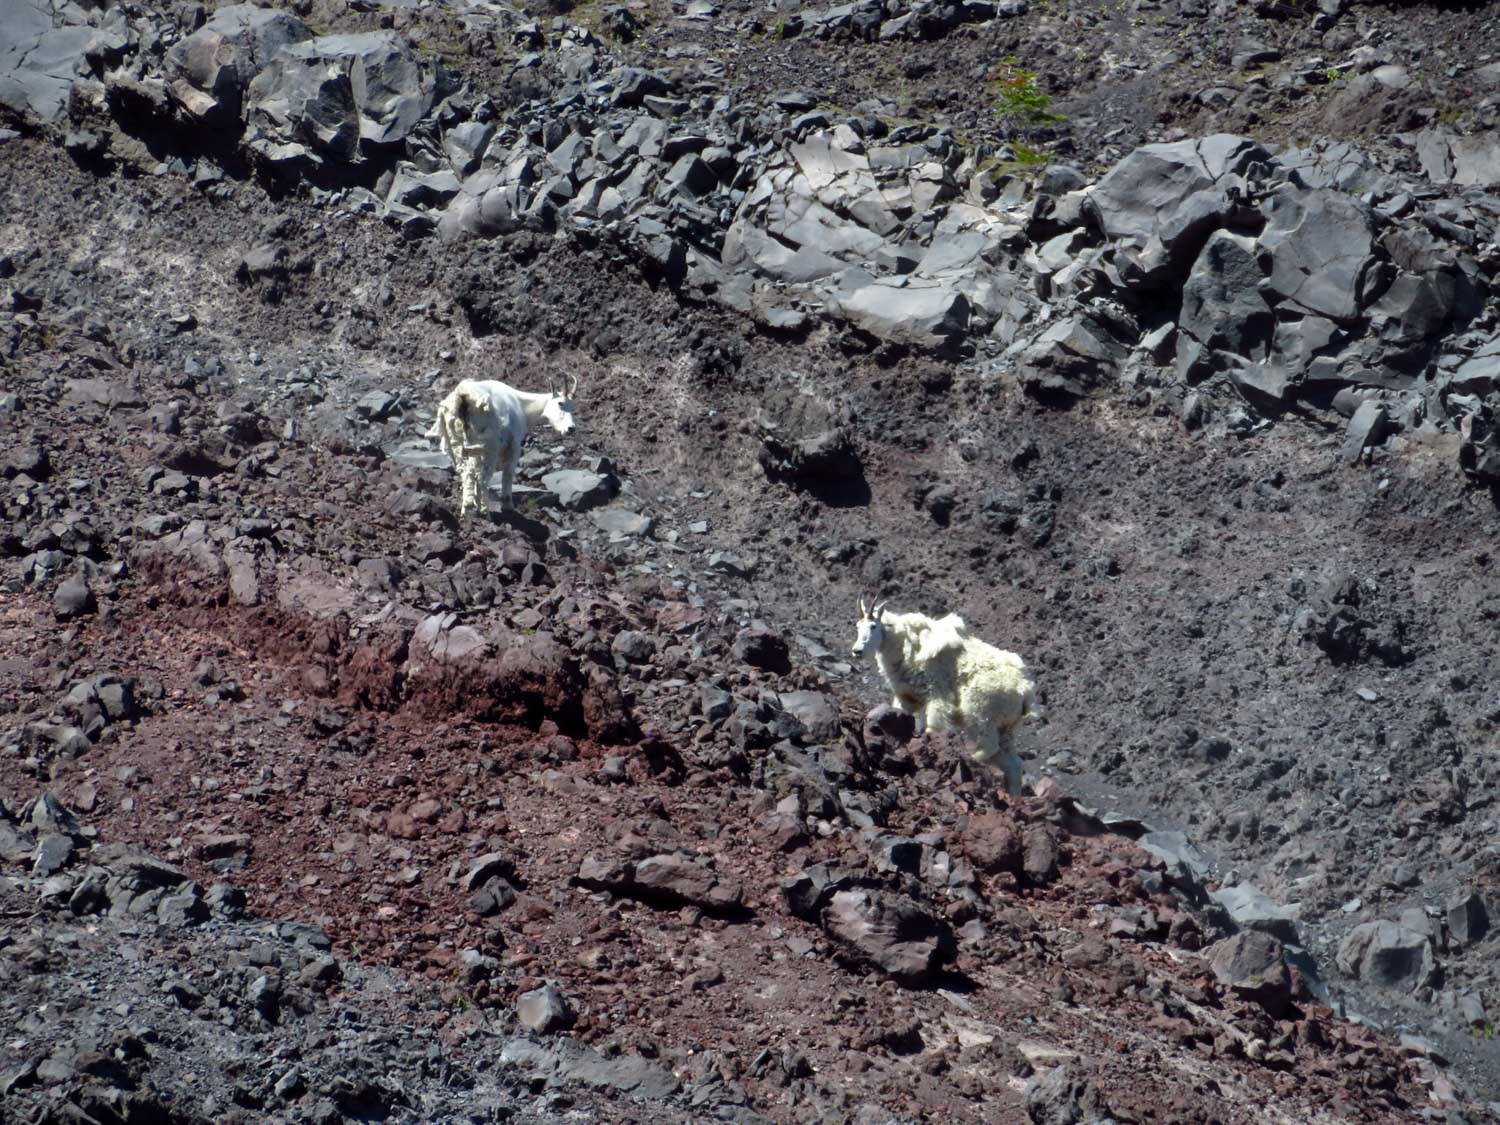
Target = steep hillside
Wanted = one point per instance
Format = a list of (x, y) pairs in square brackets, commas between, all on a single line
[(322, 803)]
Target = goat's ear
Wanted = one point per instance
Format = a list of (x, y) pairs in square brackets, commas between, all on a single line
[(573, 386), (878, 610), (863, 612)]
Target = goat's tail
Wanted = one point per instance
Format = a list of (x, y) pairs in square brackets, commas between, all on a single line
[(455, 420)]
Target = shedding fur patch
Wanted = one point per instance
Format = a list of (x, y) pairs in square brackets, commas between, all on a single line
[(462, 440)]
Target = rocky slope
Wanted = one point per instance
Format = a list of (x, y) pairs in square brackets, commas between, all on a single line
[(321, 804)]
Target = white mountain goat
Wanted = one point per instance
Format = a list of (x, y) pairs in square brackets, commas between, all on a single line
[(950, 680), (483, 423)]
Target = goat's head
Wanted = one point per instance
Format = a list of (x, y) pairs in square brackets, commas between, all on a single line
[(559, 408), (869, 630)]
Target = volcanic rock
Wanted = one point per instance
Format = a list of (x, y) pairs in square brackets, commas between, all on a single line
[(1253, 964), (544, 1010), (891, 931), (1389, 955)]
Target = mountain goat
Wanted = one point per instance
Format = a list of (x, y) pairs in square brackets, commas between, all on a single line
[(482, 423), (950, 680)]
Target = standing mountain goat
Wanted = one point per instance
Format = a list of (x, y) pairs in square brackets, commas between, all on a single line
[(483, 423), (950, 680)]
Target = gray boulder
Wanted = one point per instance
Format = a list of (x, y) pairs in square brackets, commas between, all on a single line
[(632, 85), (208, 70), (1480, 373), (413, 188), (1389, 955), (441, 639), (817, 711), (53, 851), (1062, 1095), (73, 599), (1320, 244), (38, 62), (256, 34), (717, 703), (578, 490), (732, 564), (1254, 965), (1479, 449), (465, 144), (1075, 355), (1250, 909), (389, 87), (1468, 920), (891, 931), (1143, 192), (825, 456), (1222, 307), (1310, 351), (684, 878), (1187, 867), (932, 316), (1366, 429), (633, 646), (1476, 160), (1466, 161), (672, 878), (393, 86), (620, 523), (565, 1063), (306, 102), (1414, 307), (747, 246), (544, 1010)]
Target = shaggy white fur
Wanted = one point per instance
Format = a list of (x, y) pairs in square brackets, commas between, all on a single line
[(951, 680), (483, 423)]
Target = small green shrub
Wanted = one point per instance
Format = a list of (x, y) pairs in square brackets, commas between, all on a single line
[(1018, 98)]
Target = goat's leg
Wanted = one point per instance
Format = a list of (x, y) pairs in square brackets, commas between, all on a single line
[(993, 744), (468, 472), (987, 745), (508, 478)]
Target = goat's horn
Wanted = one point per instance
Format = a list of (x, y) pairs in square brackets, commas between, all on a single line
[(573, 386)]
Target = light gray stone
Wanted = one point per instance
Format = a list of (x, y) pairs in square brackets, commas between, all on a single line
[(544, 1010), (1254, 965), (1140, 193), (931, 316), (1221, 303), (621, 523), (1250, 909), (390, 87), (1320, 243), (1468, 919), (1389, 955), (817, 711), (891, 931), (1365, 431), (579, 490)]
